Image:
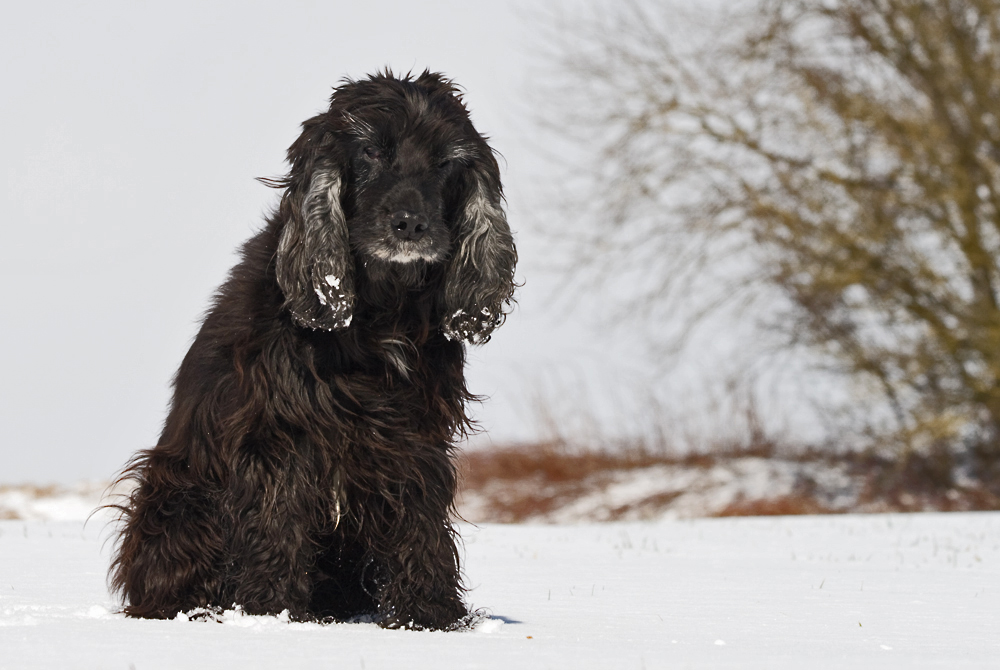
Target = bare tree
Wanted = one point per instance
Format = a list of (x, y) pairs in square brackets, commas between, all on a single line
[(842, 154)]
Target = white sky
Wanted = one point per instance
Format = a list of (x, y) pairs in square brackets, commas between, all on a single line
[(130, 134)]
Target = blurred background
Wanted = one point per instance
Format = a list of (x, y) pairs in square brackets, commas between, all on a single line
[(759, 240)]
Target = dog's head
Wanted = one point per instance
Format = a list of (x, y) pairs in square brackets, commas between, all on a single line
[(395, 174)]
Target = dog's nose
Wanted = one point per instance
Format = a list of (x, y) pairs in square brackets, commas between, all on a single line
[(407, 225)]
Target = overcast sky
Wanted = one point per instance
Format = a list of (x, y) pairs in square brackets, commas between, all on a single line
[(130, 134)]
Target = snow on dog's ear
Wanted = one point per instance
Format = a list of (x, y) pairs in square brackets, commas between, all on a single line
[(479, 285), (314, 266)]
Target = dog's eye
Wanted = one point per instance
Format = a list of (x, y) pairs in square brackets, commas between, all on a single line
[(373, 153), (445, 164)]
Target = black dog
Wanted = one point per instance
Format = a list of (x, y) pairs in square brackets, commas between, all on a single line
[(306, 463)]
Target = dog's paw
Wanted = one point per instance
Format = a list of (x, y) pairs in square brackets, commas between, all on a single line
[(444, 616), (215, 614)]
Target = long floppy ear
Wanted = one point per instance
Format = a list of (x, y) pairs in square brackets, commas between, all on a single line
[(314, 266), (479, 285)]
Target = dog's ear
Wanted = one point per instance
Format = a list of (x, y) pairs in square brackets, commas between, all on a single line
[(314, 266), (479, 285)]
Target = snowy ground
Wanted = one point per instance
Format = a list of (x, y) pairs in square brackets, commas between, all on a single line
[(53, 503), (667, 491), (876, 591)]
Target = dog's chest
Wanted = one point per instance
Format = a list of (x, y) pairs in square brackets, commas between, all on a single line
[(399, 355)]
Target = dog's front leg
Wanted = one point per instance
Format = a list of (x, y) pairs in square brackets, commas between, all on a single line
[(270, 554), (423, 587)]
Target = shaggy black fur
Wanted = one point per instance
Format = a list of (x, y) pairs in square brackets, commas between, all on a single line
[(307, 460)]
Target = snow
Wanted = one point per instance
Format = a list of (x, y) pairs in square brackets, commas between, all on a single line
[(320, 295), (673, 491), (52, 503), (874, 591)]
